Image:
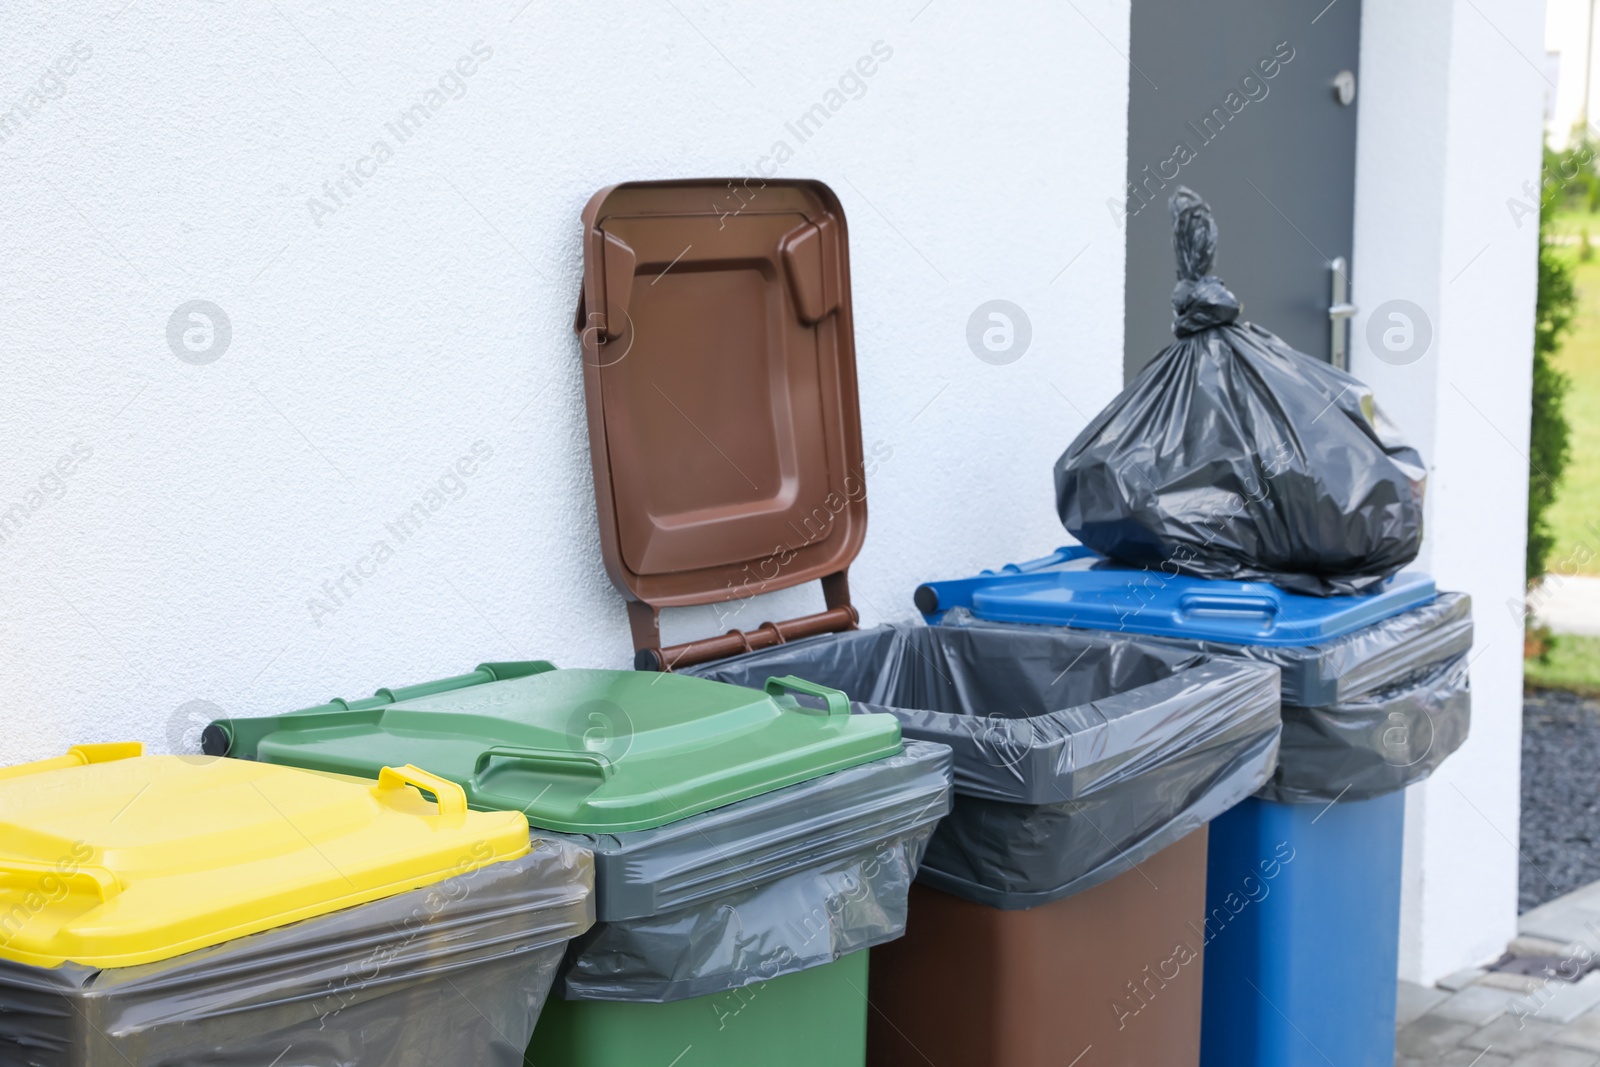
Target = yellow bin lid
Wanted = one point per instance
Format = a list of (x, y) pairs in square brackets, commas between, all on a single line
[(110, 859)]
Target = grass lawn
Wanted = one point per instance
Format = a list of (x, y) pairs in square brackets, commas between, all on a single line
[(1574, 663), (1577, 548)]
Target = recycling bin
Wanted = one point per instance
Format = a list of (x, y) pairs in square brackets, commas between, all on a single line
[(161, 911), (1059, 904), (725, 436), (748, 849), (1302, 914)]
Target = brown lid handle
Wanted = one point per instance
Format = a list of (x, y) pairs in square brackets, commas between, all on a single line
[(732, 643)]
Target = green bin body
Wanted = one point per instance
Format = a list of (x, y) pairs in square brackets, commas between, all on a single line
[(770, 1023)]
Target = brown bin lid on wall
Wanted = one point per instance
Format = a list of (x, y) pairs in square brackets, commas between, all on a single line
[(724, 425)]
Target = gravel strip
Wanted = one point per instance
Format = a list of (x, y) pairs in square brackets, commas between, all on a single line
[(1560, 795)]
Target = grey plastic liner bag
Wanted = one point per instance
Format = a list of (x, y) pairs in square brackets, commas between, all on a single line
[(1077, 755), (1234, 456), (1372, 657), (452, 973), (1374, 744), (779, 883), (1363, 715)]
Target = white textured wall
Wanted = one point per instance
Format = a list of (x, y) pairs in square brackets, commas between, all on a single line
[(430, 310), (1566, 30), (1449, 134)]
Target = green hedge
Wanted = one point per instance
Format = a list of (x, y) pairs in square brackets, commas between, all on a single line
[(1549, 444)]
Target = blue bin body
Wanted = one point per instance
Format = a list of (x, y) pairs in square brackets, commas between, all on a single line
[(1301, 965), (1302, 952)]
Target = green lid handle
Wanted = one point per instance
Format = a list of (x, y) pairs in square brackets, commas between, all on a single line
[(589, 763), (838, 703)]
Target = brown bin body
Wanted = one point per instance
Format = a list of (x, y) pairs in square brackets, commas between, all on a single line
[(1108, 978)]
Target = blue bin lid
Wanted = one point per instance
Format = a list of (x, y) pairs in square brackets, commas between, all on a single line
[(1075, 587)]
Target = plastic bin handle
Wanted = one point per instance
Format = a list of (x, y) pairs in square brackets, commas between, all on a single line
[(100, 879), (78, 756), (838, 703), (1064, 554), (451, 797), (1231, 605), (590, 763)]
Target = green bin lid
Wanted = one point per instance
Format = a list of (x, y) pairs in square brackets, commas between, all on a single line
[(578, 751)]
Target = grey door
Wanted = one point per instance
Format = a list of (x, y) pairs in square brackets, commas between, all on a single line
[(1241, 101)]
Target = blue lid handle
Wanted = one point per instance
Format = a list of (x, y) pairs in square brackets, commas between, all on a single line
[(933, 599), (1064, 554), (1213, 604)]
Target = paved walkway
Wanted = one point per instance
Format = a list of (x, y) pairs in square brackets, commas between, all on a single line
[(1500, 1018), (1568, 604)]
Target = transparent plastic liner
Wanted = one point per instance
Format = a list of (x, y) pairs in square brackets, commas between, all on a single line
[(1363, 715), (456, 972), (779, 883), (1376, 744), (1350, 667), (803, 920), (1076, 754)]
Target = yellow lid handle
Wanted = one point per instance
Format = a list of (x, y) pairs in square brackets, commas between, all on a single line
[(105, 753), (452, 798), (100, 879), (77, 756)]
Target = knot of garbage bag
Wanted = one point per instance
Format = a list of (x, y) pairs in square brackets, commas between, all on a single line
[(1194, 233), (1202, 303), (1200, 299)]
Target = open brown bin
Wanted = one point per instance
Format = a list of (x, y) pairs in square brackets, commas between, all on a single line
[(719, 376), (1059, 915)]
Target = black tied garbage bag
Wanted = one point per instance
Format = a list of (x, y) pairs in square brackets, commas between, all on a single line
[(1234, 456)]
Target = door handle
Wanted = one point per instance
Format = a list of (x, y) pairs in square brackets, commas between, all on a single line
[(1340, 311)]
